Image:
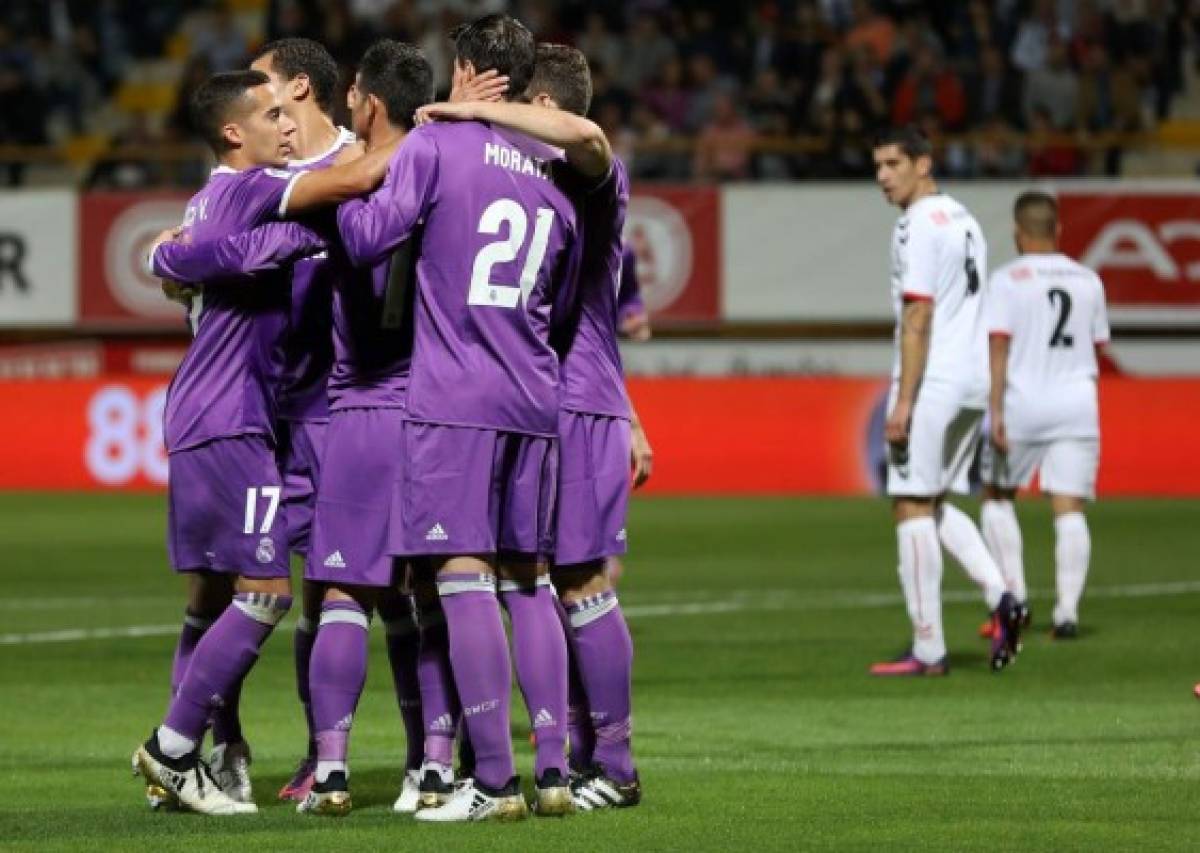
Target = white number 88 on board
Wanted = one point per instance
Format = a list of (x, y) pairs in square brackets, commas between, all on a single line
[(125, 435)]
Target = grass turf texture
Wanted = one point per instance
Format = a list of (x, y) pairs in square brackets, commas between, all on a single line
[(756, 724)]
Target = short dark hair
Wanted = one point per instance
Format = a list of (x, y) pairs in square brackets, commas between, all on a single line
[(291, 57), (400, 76), (498, 42), (910, 139), (562, 73), (214, 101), (1036, 214)]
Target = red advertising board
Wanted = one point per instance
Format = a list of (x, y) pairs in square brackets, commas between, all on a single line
[(676, 237), (1144, 245), (711, 436), (115, 231)]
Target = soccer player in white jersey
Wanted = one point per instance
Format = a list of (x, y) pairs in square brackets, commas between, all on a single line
[(1045, 319), (935, 408)]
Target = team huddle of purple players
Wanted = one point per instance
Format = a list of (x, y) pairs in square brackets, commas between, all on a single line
[(405, 369)]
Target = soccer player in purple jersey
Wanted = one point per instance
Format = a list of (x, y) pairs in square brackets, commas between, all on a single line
[(224, 490), (594, 426), (633, 320), (476, 490)]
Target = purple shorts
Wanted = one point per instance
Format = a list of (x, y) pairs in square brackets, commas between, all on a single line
[(225, 510), (474, 491), (298, 454), (362, 462), (593, 487)]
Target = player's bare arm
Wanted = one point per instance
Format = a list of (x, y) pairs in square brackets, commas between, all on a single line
[(916, 324), (586, 147), (326, 187), (641, 456), (998, 346)]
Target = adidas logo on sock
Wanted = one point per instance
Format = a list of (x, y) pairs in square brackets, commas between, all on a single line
[(436, 534), (335, 561), (543, 719), (444, 723)]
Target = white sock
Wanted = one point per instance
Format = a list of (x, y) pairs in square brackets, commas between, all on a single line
[(173, 744), (961, 538), (1072, 552), (1002, 533), (921, 579), (324, 768)]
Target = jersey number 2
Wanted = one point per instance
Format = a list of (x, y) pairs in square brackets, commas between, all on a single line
[(504, 210), (1061, 300)]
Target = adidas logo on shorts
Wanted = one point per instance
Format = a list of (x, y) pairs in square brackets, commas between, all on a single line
[(543, 719), (436, 534), (335, 561)]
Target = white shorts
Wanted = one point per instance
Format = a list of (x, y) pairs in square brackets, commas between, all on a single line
[(1066, 466), (942, 441)]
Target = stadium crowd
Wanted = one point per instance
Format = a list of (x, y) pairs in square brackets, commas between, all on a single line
[(699, 90)]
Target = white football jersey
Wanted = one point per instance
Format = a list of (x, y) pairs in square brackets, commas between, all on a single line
[(939, 253), (1053, 310)]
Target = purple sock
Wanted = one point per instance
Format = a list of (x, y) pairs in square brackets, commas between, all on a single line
[(605, 660), (222, 658), (581, 739), (337, 672), (482, 672), (540, 652), (193, 629), (302, 645), (403, 647), (440, 708), (227, 720)]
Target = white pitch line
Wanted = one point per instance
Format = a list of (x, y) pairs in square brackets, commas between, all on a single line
[(736, 601)]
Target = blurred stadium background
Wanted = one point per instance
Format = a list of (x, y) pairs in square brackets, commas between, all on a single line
[(762, 254)]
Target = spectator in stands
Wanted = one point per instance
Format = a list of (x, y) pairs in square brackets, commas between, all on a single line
[(598, 43), (872, 30), (1051, 154), (929, 88), (1053, 89), (993, 90), (216, 35), (22, 119), (1035, 32), (724, 146), (669, 98), (998, 151), (768, 108), (646, 51), (1110, 100)]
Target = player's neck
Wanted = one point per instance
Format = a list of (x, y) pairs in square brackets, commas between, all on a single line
[(315, 134), (384, 133), (238, 160), (1038, 247), (925, 188)]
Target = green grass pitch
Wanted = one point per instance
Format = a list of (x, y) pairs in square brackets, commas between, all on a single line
[(756, 726)]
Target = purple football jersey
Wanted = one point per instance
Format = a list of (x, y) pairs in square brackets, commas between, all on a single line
[(629, 297), (229, 378), (308, 348), (372, 312), (593, 380), (497, 239)]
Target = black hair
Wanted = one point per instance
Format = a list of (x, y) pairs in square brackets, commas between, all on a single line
[(400, 76), (562, 73), (291, 57), (1036, 214), (910, 139), (498, 42), (214, 101)]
